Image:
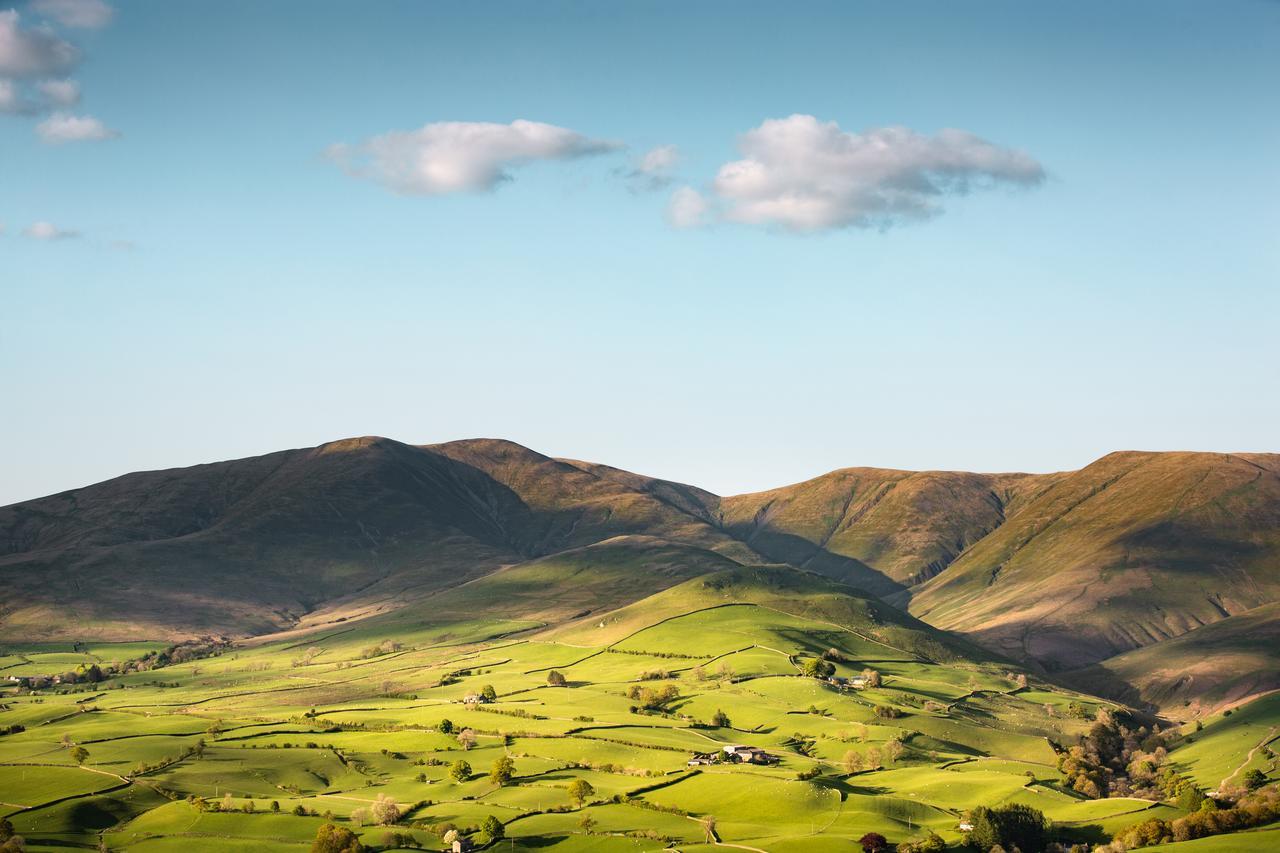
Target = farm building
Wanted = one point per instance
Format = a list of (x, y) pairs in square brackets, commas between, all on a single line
[(474, 699), (749, 754), (702, 758), (462, 845)]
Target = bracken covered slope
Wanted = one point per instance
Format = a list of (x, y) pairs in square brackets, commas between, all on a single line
[(1130, 551), (250, 546)]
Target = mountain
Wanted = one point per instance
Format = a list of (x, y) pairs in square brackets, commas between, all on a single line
[(879, 529), (1132, 550), (1122, 576), (252, 545)]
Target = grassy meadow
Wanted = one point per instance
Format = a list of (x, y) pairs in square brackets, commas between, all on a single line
[(256, 748)]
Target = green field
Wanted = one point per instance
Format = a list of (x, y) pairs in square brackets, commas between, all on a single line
[(219, 754)]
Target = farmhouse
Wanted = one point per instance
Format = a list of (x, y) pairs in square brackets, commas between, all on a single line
[(741, 754), (475, 699), (462, 845), (702, 758)]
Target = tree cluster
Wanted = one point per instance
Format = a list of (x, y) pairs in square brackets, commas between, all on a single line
[(1256, 808), (653, 698), (1009, 826)]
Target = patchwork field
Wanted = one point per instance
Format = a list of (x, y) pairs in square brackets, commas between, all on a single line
[(258, 747)]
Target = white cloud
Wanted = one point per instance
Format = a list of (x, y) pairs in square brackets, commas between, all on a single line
[(48, 231), (64, 127), (654, 169), (458, 156), (687, 208), (85, 14), (11, 99), (62, 93), (805, 175), (32, 52)]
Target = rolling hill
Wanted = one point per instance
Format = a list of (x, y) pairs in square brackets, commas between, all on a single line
[(1091, 574)]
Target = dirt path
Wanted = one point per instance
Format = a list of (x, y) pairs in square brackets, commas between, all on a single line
[(1271, 733)]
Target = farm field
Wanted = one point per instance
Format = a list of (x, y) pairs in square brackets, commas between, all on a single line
[(259, 746)]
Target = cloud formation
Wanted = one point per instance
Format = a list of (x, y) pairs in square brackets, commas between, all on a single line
[(82, 14), (62, 93), (34, 52), (653, 170), (48, 231), (687, 208), (801, 174), (60, 128), (458, 156)]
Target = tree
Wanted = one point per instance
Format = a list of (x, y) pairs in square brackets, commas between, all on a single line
[(460, 771), (336, 839), (79, 755), (556, 679), (489, 693), (709, 829), (852, 761), (872, 677), (385, 810), (502, 771), (816, 668), (275, 807), (579, 790), (720, 719), (445, 727), (873, 842), (467, 738), (587, 824), (493, 828), (1255, 779), (6, 829), (892, 750)]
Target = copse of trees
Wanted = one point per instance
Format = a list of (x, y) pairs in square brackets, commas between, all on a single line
[(653, 698), (556, 679), (816, 668), (1256, 808), (1118, 756), (1008, 826)]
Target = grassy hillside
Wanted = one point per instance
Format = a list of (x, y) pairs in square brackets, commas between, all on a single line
[(1219, 664), (1130, 551), (195, 754)]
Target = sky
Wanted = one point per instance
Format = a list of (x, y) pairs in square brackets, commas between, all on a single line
[(731, 244)]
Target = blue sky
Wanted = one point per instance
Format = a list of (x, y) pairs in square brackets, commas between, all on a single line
[(230, 289)]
